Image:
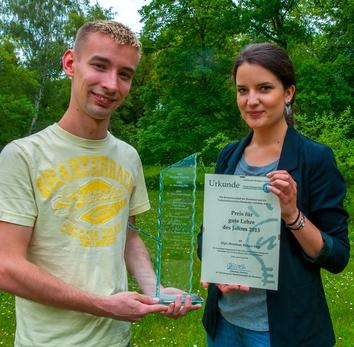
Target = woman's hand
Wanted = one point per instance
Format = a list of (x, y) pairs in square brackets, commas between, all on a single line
[(227, 288), (180, 307), (285, 188)]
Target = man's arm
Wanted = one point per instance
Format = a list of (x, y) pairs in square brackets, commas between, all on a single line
[(23, 278), (139, 265), (138, 261)]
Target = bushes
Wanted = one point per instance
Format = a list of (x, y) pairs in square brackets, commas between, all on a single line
[(152, 175), (336, 131)]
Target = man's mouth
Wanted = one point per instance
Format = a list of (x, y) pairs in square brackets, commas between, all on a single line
[(102, 100)]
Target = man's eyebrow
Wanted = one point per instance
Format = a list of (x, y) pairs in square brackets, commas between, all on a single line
[(100, 58)]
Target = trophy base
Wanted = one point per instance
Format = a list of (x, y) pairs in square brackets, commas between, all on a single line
[(166, 299)]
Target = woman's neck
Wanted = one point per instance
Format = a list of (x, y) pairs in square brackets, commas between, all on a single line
[(270, 137), (265, 146)]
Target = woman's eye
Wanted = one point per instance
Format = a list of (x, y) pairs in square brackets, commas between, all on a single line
[(241, 90), (265, 88)]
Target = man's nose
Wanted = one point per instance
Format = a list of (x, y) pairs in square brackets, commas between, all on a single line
[(110, 82)]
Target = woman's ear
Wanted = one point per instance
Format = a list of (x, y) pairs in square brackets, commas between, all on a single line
[(68, 63), (289, 93)]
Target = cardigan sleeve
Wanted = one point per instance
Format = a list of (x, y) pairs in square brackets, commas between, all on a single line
[(326, 211)]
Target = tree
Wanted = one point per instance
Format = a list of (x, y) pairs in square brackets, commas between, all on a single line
[(41, 30), (337, 132), (279, 21), (325, 65), (190, 46), (16, 86)]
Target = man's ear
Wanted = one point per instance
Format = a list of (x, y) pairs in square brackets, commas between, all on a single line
[(68, 63)]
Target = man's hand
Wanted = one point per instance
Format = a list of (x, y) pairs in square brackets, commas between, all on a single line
[(129, 306), (25, 279)]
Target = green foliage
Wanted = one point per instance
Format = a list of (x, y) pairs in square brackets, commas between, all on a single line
[(37, 29), (274, 20), (317, 81), (7, 319), (41, 30), (152, 181), (16, 108), (15, 117), (337, 131), (325, 65), (12, 72), (189, 88), (339, 292), (212, 146), (182, 100), (189, 46)]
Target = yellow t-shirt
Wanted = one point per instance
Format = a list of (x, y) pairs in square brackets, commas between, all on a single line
[(77, 195)]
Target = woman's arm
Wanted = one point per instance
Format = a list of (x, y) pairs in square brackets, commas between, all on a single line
[(324, 234)]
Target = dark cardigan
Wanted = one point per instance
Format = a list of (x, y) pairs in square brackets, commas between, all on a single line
[(298, 312)]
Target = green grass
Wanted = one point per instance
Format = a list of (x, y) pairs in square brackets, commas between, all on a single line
[(340, 297), (155, 330), (7, 319)]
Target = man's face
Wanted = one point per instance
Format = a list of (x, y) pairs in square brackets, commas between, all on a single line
[(102, 73)]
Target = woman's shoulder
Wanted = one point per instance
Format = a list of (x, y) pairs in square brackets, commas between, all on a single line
[(314, 148), (231, 146), (228, 150), (225, 155)]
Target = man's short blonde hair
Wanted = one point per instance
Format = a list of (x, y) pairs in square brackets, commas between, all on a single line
[(117, 31)]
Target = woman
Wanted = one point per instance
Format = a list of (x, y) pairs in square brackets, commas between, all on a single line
[(314, 231)]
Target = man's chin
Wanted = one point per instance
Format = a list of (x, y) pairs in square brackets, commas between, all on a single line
[(100, 113)]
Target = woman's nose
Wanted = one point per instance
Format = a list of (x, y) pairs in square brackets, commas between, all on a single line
[(253, 98)]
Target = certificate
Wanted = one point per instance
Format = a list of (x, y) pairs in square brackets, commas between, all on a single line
[(241, 235)]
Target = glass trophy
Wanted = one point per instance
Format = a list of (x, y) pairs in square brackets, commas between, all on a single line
[(174, 242)]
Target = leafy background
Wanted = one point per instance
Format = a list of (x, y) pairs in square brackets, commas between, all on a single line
[(183, 99)]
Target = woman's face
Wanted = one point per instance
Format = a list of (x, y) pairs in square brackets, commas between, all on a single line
[(261, 97)]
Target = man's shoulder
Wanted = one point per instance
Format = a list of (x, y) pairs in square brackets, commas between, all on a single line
[(123, 145), (27, 142), (35, 136)]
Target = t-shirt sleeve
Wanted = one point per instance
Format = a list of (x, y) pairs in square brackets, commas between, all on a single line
[(139, 201), (17, 202)]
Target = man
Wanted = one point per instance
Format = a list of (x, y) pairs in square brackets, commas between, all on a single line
[(66, 194)]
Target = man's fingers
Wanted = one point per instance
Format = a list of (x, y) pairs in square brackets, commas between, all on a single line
[(147, 300)]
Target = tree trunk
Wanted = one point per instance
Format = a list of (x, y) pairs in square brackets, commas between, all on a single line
[(37, 104)]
